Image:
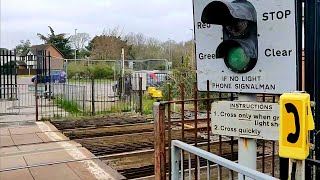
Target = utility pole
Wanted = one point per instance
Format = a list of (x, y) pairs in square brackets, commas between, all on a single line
[(75, 45)]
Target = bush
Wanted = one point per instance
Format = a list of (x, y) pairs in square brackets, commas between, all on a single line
[(97, 71), (102, 71), (147, 105), (77, 69), (184, 74)]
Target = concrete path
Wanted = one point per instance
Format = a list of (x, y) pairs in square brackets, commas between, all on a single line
[(38, 151)]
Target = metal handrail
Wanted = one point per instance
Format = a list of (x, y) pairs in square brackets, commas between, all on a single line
[(177, 146)]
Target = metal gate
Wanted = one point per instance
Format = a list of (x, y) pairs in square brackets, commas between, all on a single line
[(8, 82), (312, 80)]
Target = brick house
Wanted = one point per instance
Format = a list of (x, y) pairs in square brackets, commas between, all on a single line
[(30, 57)]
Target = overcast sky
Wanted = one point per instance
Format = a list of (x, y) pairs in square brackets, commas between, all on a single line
[(162, 19)]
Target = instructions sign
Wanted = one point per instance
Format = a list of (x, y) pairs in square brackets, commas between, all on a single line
[(246, 119), (275, 70)]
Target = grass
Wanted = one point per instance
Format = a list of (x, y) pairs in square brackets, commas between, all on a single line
[(147, 105), (121, 107), (68, 106)]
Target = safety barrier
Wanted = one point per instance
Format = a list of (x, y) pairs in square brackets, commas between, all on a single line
[(212, 161)]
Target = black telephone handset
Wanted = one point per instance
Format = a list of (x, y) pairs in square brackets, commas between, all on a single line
[(293, 137)]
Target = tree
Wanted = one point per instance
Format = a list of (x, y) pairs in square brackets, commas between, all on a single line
[(60, 41), (79, 40), (83, 54), (138, 44), (108, 47), (23, 46)]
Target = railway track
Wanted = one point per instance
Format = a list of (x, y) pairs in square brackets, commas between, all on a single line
[(129, 129), (94, 142), (73, 135), (118, 139), (129, 147), (98, 123)]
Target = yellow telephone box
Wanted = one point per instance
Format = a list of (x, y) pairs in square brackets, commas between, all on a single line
[(296, 120)]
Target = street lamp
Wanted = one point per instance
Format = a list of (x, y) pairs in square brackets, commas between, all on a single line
[(75, 46)]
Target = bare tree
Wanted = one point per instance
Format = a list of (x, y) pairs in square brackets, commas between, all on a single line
[(138, 43), (115, 32), (79, 40)]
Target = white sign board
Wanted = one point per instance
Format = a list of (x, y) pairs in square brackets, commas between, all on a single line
[(275, 71), (246, 119)]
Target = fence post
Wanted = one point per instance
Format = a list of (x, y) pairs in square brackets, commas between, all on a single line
[(140, 96), (92, 96), (317, 90), (176, 158), (311, 57), (84, 100), (296, 169), (36, 98), (159, 141)]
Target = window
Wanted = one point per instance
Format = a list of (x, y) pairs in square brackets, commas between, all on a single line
[(30, 57)]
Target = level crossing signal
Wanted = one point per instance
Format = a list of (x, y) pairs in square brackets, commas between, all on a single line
[(239, 47)]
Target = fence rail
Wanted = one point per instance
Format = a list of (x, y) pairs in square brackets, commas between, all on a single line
[(314, 166), (189, 121), (179, 148), (8, 73), (9, 104), (83, 97)]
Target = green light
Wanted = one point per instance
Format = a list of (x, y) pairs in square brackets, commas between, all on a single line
[(237, 59)]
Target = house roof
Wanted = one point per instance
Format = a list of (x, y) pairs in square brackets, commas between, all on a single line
[(40, 47), (3, 51), (24, 53), (35, 48)]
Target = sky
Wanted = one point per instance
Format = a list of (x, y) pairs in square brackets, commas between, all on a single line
[(161, 19)]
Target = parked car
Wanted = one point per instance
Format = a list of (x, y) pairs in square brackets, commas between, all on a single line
[(57, 76)]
